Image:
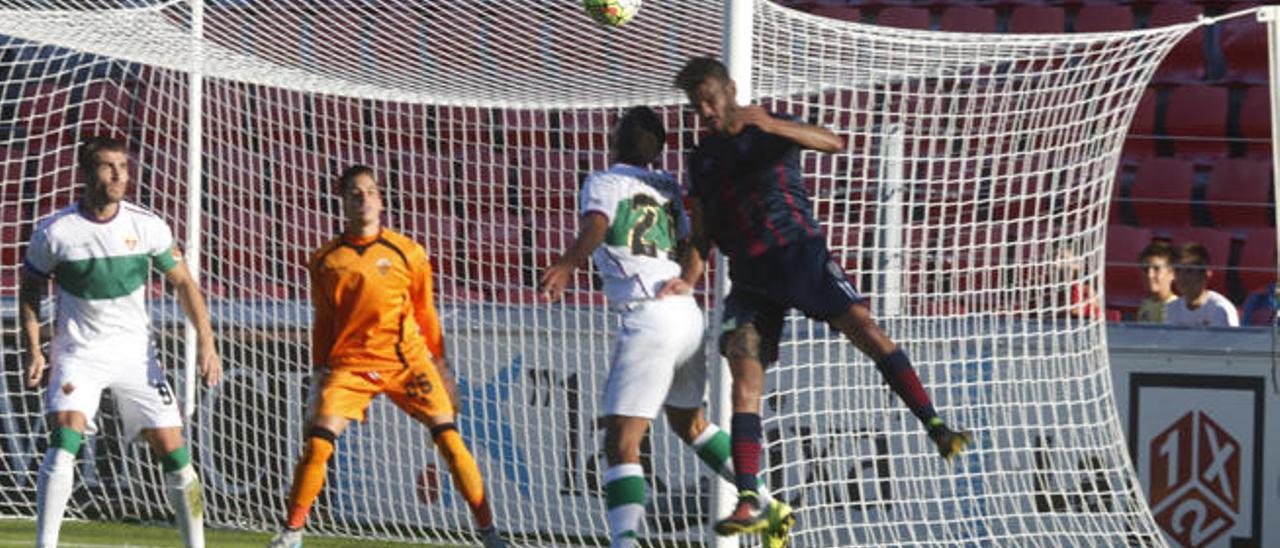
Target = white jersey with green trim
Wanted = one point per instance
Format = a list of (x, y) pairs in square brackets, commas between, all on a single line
[(100, 269), (646, 216)]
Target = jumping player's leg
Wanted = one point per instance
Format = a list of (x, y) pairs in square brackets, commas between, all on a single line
[(57, 474), (182, 484), (624, 482), (749, 345), (650, 364)]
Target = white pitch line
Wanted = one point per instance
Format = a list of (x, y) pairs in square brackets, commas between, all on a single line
[(84, 545)]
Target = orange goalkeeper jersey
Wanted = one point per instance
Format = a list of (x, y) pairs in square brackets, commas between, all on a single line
[(373, 300)]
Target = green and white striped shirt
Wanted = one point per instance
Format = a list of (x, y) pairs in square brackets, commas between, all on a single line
[(101, 269)]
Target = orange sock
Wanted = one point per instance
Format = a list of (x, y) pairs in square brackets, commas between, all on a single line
[(308, 477), (466, 475)]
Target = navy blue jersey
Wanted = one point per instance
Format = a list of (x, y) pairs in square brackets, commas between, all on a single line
[(752, 193)]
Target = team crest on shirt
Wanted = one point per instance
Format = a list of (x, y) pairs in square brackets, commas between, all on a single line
[(384, 266), (131, 242)]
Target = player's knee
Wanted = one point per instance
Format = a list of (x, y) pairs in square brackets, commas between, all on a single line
[(741, 343), (619, 449), (66, 439), (319, 444), (447, 439)]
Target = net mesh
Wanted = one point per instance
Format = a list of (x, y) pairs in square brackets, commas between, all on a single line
[(970, 205)]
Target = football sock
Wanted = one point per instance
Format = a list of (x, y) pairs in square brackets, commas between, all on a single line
[(466, 475), (54, 482), (186, 497), (897, 371), (714, 448), (746, 450), (308, 477), (624, 498)]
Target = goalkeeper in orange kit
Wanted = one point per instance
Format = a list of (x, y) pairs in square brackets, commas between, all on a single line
[(376, 332)]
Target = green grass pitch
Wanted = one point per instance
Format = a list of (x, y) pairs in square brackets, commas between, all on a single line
[(93, 534)]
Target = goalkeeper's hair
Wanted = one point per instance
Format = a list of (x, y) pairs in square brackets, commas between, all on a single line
[(638, 137), (697, 70), (349, 175), (87, 155)]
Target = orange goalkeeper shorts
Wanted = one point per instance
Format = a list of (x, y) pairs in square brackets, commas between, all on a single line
[(416, 389)]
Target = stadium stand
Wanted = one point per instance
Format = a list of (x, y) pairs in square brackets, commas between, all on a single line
[(1161, 193), (1195, 121), (1125, 290), (1239, 193)]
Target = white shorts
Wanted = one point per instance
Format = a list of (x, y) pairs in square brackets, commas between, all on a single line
[(657, 359), (142, 394)]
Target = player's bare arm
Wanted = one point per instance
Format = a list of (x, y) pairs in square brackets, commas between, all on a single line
[(806, 135), (556, 277), (194, 307), (31, 292)]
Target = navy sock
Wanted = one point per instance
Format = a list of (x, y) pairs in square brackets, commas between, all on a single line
[(897, 371), (746, 450)]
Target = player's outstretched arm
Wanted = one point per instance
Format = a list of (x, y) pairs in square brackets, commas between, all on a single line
[(689, 254), (590, 236), (806, 135), (31, 290), (194, 307)]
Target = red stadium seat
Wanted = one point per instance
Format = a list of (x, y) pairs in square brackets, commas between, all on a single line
[(903, 18), (1257, 264), (1244, 45), (13, 167), (1186, 62), (106, 109), (1217, 243), (1103, 18), (1141, 140), (1125, 288), (968, 19), (843, 13), (1161, 193), (11, 233), (1255, 121), (1038, 19), (1196, 121), (1239, 194), (42, 110)]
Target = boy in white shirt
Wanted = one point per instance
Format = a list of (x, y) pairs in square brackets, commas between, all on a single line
[(1197, 305)]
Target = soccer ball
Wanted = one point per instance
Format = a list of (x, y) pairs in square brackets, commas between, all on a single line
[(613, 13)]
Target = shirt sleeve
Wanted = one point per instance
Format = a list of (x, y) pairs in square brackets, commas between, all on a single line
[(40, 259), (1229, 312), (596, 196), (164, 252), (322, 325), (423, 294)]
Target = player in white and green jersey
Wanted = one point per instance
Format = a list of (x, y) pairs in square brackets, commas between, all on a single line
[(634, 227), (99, 253)]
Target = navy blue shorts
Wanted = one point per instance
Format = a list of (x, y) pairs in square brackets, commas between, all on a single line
[(800, 276)]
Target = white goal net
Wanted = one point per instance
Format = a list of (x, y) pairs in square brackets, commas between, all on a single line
[(970, 204)]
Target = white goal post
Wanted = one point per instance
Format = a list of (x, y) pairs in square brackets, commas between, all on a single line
[(970, 204)]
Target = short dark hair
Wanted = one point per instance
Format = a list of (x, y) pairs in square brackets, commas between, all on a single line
[(87, 155), (1160, 250), (697, 70), (349, 175), (638, 137), (1192, 253)]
